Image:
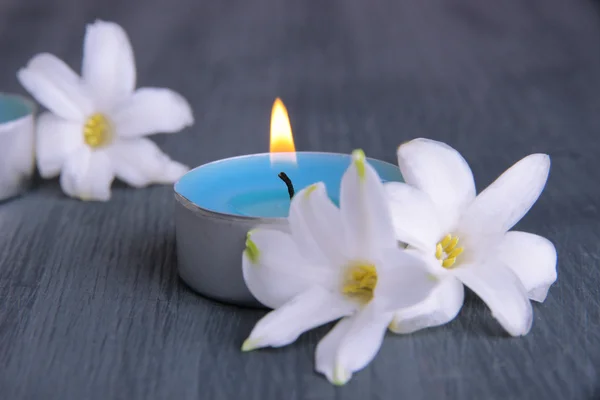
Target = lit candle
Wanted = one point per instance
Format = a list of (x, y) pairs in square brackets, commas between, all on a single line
[(219, 202)]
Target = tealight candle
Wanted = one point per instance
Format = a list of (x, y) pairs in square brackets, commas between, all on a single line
[(17, 158), (219, 202)]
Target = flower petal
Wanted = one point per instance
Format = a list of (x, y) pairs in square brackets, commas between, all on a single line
[(351, 344), (439, 308), (404, 279), (56, 138), (108, 65), (56, 87), (533, 259), (503, 293), (316, 226), (499, 207), (140, 162), (314, 307), (365, 211), (326, 354), (152, 110), (442, 173), (414, 216), (275, 271), (87, 175)]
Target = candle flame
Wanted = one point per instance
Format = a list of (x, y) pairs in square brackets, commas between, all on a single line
[(282, 142)]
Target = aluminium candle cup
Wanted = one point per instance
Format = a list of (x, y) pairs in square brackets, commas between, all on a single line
[(17, 144), (210, 238), (209, 251)]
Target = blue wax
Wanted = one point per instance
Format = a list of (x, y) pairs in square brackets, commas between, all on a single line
[(13, 107), (249, 185)]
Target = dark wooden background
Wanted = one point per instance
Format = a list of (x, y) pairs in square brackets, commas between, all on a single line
[(91, 306)]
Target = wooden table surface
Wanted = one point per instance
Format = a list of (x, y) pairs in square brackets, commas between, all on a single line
[(91, 306)]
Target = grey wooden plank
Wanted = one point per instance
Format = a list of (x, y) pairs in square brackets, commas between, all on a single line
[(90, 303)]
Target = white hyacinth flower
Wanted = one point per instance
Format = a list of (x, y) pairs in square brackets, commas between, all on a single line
[(334, 263), (467, 238), (94, 130)]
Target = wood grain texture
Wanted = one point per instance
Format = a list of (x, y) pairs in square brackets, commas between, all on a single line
[(90, 303)]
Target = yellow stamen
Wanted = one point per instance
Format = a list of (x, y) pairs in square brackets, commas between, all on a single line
[(360, 282), (445, 241), (447, 252), (451, 245), (97, 131), (456, 252), (448, 262), (439, 251)]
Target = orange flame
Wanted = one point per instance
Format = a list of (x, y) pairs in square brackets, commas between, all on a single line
[(282, 142)]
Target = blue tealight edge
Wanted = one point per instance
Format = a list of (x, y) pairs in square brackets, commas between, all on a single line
[(13, 107), (230, 185)]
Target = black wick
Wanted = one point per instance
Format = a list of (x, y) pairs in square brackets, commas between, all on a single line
[(288, 183)]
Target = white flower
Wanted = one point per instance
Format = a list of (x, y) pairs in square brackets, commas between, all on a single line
[(94, 129), (334, 263), (467, 238)]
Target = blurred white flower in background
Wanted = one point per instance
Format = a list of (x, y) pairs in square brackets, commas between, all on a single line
[(94, 130)]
